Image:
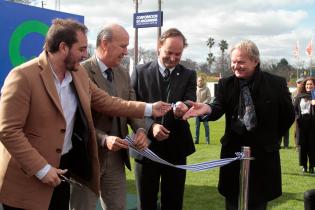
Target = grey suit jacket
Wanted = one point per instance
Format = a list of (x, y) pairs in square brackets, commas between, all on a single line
[(121, 83)]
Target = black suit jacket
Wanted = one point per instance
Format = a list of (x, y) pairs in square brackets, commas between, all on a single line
[(146, 82), (275, 115)]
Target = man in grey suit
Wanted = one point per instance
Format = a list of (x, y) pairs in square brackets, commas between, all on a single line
[(105, 71)]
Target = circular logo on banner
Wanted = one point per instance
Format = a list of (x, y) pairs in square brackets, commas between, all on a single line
[(22, 30)]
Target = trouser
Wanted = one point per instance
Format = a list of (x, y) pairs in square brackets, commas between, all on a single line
[(305, 155), (112, 184), (232, 206), (61, 193), (149, 177), (286, 139), (5, 207), (207, 130), (309, 200)]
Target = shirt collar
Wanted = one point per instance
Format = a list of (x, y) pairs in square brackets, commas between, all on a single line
[(68, 77), (162, 67), (102, 65)]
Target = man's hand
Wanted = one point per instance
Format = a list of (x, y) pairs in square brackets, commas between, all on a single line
[(180, 109), (115, 143), (160, 132), (197, 109), (52, 178), (141, 141), (160, 108)]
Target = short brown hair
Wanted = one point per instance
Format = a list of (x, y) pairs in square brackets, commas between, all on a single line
[(172, 32), (63, 30)]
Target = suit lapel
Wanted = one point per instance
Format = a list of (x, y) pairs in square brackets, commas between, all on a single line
[(48, 80), (97, 75), (154, 70)]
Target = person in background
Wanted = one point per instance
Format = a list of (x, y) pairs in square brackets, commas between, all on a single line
[(46, 128), (304, 105), (203, 96), (105, 71), (165, 79), (294, 94), (258, 110), (299, 82)]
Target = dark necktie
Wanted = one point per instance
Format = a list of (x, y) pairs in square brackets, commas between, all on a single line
[(249, 117), (109, 74), (166, 74)]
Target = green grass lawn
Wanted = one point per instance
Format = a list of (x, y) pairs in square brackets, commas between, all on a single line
[(201, 187)]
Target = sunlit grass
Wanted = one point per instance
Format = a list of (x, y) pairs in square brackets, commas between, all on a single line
[(201, 188)]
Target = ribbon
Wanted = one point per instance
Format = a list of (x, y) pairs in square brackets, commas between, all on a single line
[(192, 167)]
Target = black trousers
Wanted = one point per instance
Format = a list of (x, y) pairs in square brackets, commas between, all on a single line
[(233, 206), (61, 195), (5, 207), (309, 200), (149, 177)]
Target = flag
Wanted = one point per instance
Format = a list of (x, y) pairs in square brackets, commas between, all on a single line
[(296, 51), (309, 48)]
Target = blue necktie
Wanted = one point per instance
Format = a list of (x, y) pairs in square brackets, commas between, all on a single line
[(109, 74), (249, 117)]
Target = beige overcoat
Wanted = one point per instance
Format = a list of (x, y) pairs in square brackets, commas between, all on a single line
[(32, 129)]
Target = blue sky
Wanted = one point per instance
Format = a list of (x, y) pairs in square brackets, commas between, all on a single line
[(274, 25)]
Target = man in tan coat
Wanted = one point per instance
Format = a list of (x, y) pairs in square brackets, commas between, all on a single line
[(46, 123)]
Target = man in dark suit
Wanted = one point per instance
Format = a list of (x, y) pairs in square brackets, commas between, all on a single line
[(105, 71), (165, 79), (258, 110), (46, 123)]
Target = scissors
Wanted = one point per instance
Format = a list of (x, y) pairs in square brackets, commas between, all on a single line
[(70, 181)]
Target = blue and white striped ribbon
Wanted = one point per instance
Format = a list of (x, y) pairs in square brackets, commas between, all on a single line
[(192, 167)]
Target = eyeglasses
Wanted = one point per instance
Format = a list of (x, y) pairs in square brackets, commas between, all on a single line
[(70, 181)]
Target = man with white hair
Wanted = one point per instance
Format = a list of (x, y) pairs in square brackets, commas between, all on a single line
[(258, 110)]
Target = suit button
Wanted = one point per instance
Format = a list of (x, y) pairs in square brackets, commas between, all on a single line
[(62, 130), (58, 150)]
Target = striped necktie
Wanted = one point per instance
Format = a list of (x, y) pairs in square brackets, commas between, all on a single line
[(166, 74)]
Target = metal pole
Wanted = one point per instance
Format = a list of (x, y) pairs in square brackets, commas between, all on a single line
[(311, 67), (244, 177), (136, 38), (159, 28)]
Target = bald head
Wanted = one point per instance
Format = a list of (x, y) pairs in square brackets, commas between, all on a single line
[(109, 32), (111, 44)]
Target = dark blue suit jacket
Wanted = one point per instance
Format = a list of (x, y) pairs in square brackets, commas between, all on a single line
[(146, 83)]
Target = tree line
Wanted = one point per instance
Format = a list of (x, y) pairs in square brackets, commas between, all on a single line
[(215, 64)]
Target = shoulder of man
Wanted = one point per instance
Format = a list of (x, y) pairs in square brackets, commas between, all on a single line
[(185, 68), (28, 65), (275, 79), (187, 71), (88, 62), (227, 80)]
